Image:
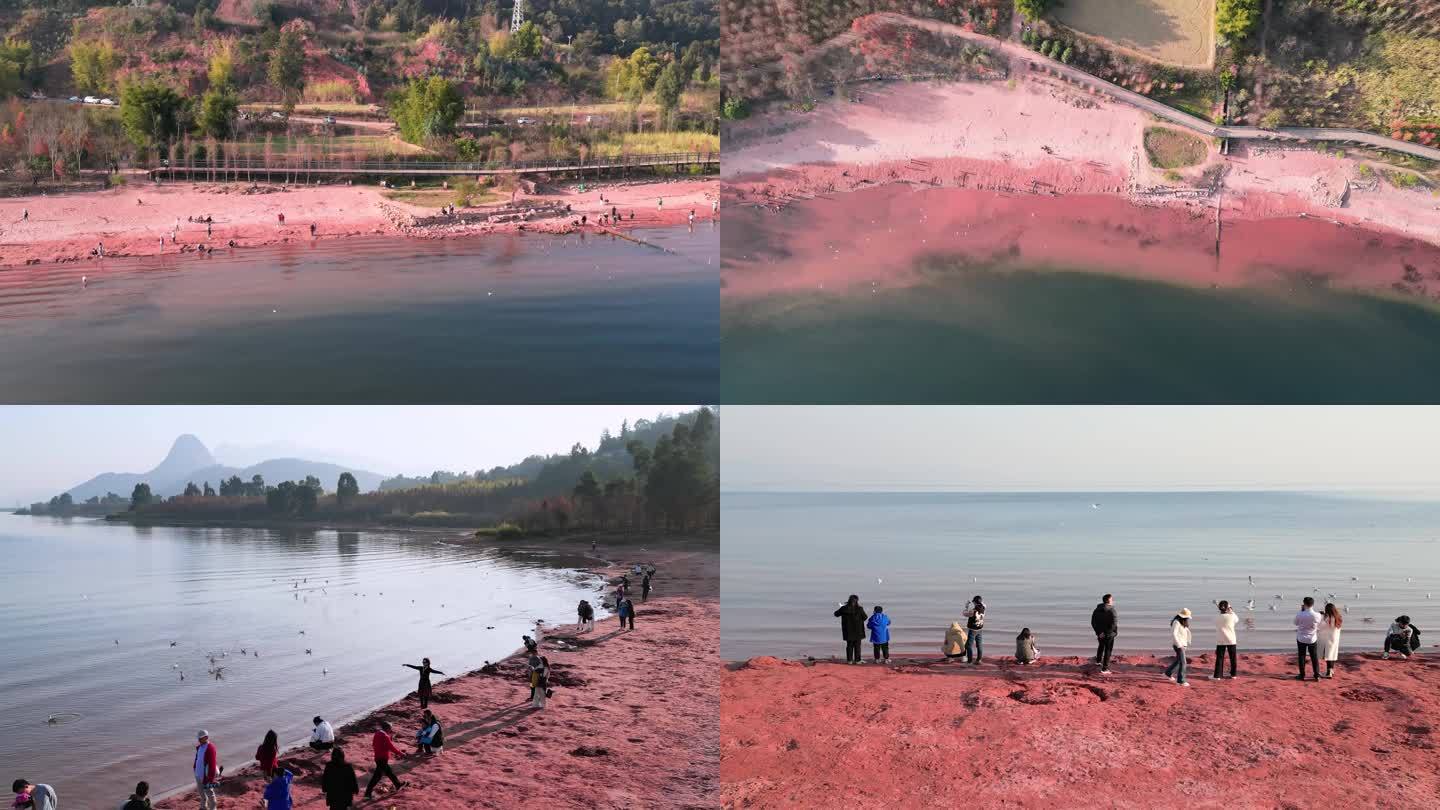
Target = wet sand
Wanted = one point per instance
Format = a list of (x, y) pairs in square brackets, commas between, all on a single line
[(131, 221), (928, 733), (633, 723)]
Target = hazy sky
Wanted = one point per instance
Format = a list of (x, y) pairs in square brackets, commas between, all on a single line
[(47, 449), (848, 448)]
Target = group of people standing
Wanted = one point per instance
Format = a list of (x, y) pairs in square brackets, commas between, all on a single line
[(1317, 637)]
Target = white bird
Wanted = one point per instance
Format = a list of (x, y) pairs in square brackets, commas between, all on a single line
[(1250, 605), (1372, 587), (1272, 607), (879, 580), (324, 672)]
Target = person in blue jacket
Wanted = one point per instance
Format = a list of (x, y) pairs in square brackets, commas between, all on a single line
[(879, 625), (277, 793)]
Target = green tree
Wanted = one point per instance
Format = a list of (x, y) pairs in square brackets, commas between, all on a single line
[(287, 64), (222, 69), (346, 488), (734, 109), (1235, 19), (218, 108), (526, 42), (426, 108), (630, 79), (151, 113), (209, 490), (93, 65), (140, 496), (668, 88), (191, 490), (15, 63), (1033, 9), (589, 486)]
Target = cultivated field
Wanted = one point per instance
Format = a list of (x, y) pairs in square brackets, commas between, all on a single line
[(1178, 32)]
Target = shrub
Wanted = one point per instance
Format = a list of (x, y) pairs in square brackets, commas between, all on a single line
[(334, 90), (735, 109)]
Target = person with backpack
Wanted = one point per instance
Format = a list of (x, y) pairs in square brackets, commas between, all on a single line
[(1106, 624), (338, 782), (207, 770), (975, 626), (1402, 639), (879, 625), (955, 638), (852, 628), (1025, 650), (1179, 642), (1224, 639), (1330, 637), (140, 799), (384, 747), (1307, 632)]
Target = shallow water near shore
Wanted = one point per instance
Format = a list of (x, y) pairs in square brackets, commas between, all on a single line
[(367, 602), (500, 319), (892, 294), (1042, 560)]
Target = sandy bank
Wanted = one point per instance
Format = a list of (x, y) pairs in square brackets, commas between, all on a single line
[(132, 221), (1046, 138), (633, 722), (933, 734)]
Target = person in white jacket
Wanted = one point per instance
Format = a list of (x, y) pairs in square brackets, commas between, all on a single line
[(1330, 637), (1307, 633), (1224, 640), (1179, 642), (323, 737)]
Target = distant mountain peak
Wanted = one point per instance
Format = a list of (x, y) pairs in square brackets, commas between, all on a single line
[(187, 453)]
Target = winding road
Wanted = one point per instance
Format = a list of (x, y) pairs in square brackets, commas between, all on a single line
[(1020, 53)]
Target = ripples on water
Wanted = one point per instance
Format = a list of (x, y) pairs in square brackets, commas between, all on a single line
[(500, 319), (367, 602), (1043, 560)]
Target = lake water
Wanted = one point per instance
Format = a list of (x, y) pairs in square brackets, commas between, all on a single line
[(892, 295), (502, 319), (1043, 560), (367, 602)]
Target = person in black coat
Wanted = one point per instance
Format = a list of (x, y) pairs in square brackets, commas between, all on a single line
[(1106, 625), (852, 627), (338, 783)]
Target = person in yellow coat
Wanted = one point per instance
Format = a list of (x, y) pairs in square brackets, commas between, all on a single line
[(955, 638)]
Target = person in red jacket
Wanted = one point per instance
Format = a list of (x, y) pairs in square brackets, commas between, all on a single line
[(268, 754), (207, 770), (385, 748)]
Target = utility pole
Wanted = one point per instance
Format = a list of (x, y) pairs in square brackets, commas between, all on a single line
[(517, 17)]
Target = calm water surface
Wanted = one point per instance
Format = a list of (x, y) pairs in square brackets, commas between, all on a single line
[(504, 319), (1043, 560), (367, 603)]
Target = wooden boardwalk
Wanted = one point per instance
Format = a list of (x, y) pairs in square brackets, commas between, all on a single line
[(259, 167)]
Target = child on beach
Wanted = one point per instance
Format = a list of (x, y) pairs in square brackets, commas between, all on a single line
[(268, 754), (1330, 637), (338, 783), (879, 625), (277, 793), (431, 737), (140, 799), (1224, 639), (1025, 650), (954, 646), (1179, 642)]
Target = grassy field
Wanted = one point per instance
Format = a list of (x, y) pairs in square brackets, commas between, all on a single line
[(600, 108), (1178, 32), (349, 146), (1172, 149), (319, 108), (636, 143), (440, 197)]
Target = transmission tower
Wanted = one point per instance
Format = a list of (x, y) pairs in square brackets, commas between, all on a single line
[(517, 18)]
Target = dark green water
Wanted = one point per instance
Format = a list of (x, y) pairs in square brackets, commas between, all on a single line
[(1071, 337)]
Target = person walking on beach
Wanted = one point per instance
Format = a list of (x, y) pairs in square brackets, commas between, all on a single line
[(539, 680), (323, 737), (384, 747), (34, 797), (975, 626), (1106, 624), (1330, 637), (852, 628), (268, 754), (645, 588), (879, 625), (627, 613), (25, 215), (207, 770), (1224, 639), (1025, 650), (277, 793), (140, 799), (431, 738), (423, 690), (1400, 639), (338, 783), (1179, 642), (954, 646), (587, 616), (1307, 630)]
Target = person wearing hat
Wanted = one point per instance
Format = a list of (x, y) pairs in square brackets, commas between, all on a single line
[(1179, 642), (1307, 637), (207, 770)]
